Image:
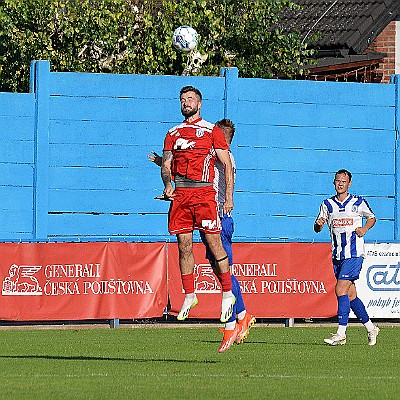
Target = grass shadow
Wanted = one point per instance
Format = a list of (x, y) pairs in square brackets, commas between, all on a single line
[(89, 358)]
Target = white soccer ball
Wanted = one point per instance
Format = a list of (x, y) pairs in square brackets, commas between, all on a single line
[(185, 38)]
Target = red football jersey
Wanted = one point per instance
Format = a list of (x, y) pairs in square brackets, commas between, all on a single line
[(193, 147)]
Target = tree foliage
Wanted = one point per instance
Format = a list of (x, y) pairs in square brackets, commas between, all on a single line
[(134, 36)]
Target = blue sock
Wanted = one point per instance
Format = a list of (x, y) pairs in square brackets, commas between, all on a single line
[(239, 305), (359, 309), (343, 309)]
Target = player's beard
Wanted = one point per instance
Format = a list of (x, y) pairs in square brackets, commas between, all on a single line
[(188, 112)]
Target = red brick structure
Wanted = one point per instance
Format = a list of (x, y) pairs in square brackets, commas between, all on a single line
[(386, 43)]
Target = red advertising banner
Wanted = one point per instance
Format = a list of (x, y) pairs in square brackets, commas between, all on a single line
[(278, 280), (79, 281), (97, 280)]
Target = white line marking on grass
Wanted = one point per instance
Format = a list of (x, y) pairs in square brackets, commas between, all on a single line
[(264, 376), (54, 375), (235, 376)]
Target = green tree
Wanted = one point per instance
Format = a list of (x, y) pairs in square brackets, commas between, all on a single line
[(134, 36)]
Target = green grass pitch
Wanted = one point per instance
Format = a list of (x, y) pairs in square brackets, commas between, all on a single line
[(183, 363)]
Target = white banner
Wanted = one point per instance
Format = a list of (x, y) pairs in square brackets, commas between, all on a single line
[(379, 283)]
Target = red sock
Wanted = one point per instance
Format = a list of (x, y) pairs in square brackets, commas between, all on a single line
[(226, 282), (188, 283)]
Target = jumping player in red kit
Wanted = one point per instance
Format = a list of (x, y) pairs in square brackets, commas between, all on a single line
[(189, 155)]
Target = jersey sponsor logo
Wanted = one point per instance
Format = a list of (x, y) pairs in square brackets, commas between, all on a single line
[(183, 144), (336, 223), (199, 132)]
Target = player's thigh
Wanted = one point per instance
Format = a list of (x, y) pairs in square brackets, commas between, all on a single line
[(206, 212), (180, 217)]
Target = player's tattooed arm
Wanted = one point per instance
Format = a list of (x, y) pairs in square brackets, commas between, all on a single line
[(166, 174)]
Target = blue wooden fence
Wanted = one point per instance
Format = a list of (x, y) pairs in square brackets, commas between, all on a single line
[(73, 162)]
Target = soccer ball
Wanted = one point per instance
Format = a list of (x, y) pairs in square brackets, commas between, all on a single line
[(185, 38)]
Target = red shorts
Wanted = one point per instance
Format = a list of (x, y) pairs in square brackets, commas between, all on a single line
[(194, 209)]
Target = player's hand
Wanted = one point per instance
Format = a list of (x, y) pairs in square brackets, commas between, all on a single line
[(320, 222), (169, 191), (155, 158), (227, 207), (360, 232)]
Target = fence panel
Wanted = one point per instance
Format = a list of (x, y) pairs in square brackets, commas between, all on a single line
[(293, 136), (17, 157), (73, 159)]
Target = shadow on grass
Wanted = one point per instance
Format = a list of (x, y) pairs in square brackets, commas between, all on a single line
[(86, 358)]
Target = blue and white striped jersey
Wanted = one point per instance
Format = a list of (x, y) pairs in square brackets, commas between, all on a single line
[(343, 219)]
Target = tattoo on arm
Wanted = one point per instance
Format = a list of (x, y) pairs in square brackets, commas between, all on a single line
[(166, 175)]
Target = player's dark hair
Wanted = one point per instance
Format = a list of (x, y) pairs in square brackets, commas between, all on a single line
[(186, 89), (226, 123), (345, 172)]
